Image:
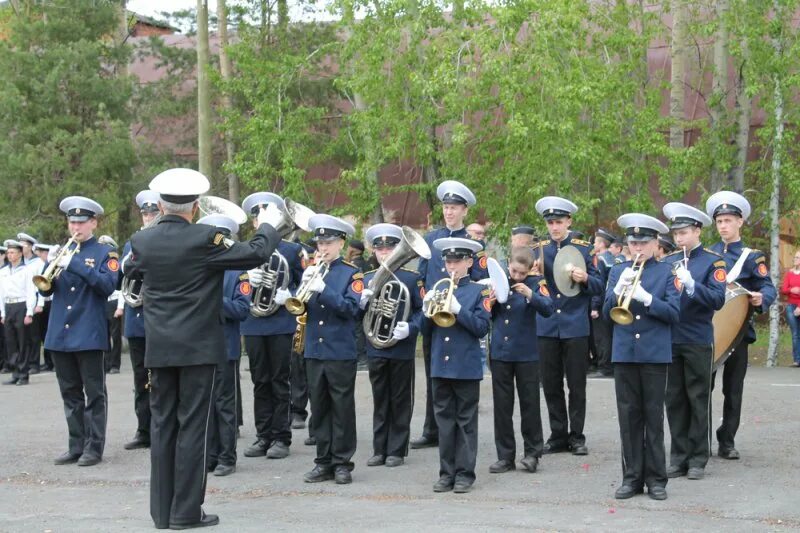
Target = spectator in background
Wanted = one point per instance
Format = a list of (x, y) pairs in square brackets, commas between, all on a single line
[(477, 233), (791, 289), (355, 255)]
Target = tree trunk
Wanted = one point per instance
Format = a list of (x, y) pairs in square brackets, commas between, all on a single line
[(719, 93), (225, 70), (677, 89), (125, 187), (744, 111), (283, 21), (204, 147)]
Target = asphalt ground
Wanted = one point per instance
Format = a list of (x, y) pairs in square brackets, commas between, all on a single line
[(758, 493)]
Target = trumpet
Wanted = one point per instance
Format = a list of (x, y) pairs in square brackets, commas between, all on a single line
[(277, 268), (44, 281), (621, 314), (296, 305), (681, 262), (437, 308)]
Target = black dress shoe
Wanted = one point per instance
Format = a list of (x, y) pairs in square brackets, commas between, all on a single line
[(445, 484), (376, 460), (224, 470), (462, 487), (657, 493), (205, 521), (580, 449), (502, 466), (257, 449), (67, 458), (342, 475), (5, 370), (696, 472), (424, 442), (394, 460), (319, 473), (89, 459), (552, 448), (278, 450), (731, 454), (47, 369), (22, 381), (298, 422), (626, 491), (139, 441), (530, 463), (310, 441), (33, 371), (12, 381), (676, 471)]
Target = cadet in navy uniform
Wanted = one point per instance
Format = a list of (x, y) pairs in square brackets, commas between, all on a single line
[(133, 330), (330, 351), (456, 368), (3, 359), (601, 330), (43, 250), (641, 356), (665, 246), (564, 335), (17, 303), (236, 291), (391, 369), (456, 200), (78, 331), (33, 339), (182, 266), (515, 358), (702, 278), (268, 341), (729, 211)]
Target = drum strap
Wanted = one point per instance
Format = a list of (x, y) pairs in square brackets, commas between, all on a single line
[(734, 272)]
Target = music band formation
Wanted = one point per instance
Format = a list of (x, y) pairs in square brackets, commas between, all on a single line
[(661, 321)]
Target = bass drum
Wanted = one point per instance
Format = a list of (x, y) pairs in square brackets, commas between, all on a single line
[(730, 322)]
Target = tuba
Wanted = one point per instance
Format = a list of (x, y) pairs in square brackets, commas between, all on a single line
[(621, 313), (275, 270), (438, 305), (296, 216), (44, 281), (391, 302), (214, 205), (296, 305)]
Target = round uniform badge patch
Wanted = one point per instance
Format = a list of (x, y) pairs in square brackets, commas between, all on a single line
[(357, 286), (422, 292), (303, 263), (487, 304), (245, 288), (678, 284), (762, 270), (483, 261), (543, 291), (113, 264), (719, 275)]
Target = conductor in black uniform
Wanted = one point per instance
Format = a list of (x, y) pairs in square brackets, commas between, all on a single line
[(182, 266)]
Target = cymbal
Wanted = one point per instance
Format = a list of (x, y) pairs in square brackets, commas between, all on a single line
[(567, 259)]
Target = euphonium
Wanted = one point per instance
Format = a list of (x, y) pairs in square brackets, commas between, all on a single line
[(276, 271), (621, 313), (437, 307), (44, 281), (131, 289), (391, 301), (296, 305)]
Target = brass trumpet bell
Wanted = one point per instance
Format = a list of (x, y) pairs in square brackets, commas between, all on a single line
[(621, 314)]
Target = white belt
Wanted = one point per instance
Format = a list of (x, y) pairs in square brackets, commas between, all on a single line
[(14, 300)]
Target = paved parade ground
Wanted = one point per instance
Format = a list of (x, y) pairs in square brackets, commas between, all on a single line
[(761, 492)]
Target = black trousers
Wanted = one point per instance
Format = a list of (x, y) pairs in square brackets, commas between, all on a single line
[(559, 358), (429, 427), (393, 402), (33, 341), (141, 396), (82, 381), (299, 386), (331, 387), (114, 354), (455, 404), (640, 411), (239, 410), (602, 332), (526, 376), (688, 404), (269, 369), (181, 402), (733, 373), (224, 422), (44, 319), (16, 340)]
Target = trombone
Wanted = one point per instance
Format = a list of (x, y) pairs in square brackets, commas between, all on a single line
[(44, 281), (437, 307), (621, 314), (296, 305)]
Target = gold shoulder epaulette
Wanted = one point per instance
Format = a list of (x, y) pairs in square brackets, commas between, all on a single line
[(348, 263), (243, 277), (709, 250), (542, 243), (580, 242)]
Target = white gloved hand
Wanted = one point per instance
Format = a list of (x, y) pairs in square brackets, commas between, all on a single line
[(272, 215), (685, 277), (256, 277), (428, 296), (621, 285), (281, 295), (641, 295), (455, 305), (484, 281), (64, 261), (318, 285), (366, 294), (628, 275), (307, 273), (401, 331)]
